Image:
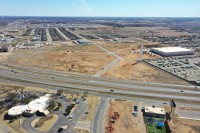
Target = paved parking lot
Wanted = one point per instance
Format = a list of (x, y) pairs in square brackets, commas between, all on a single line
[(185, 67)]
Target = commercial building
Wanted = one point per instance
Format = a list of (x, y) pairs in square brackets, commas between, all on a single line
[(29, 45), (154, 112), (83, 41), (39, 104), (172, 51), (6, 48)]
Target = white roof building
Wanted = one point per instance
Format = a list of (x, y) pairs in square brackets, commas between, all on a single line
[(39, 104), (172, 51), (17, 110), (154, 110)]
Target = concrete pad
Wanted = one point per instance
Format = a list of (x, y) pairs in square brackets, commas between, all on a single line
[(188, 114), (83, 125)]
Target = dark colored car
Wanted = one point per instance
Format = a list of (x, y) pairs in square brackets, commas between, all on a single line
[(135, 108), (60, 130)]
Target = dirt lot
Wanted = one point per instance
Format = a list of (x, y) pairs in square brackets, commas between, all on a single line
[(127, 46), (87, 59), (129, 68), (126, 122), (178, 125)]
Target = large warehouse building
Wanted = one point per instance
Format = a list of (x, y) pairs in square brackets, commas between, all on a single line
[(172, 51)]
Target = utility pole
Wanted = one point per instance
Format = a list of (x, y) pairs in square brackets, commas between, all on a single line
[(1, 28), (141, 53), (195, 88)]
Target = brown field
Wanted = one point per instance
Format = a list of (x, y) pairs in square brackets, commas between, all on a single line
[(115, 47), (126, 122), (87, 59), (178, 125), (132, 31), (125, 47), (129, 68)]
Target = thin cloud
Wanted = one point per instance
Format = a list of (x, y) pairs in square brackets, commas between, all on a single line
[(85, 6)]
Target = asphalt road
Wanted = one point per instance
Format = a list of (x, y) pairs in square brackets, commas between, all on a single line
[(26, 124), (126, 88), (96, 82), (98, 123), (4, 129), (86, 77), (111, 64), (101, 88), (58, 80)]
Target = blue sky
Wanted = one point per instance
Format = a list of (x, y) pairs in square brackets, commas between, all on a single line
[(103, 8)]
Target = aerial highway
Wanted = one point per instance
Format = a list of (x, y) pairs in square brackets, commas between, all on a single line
[(5, 71), (53, 79), (86, 77)]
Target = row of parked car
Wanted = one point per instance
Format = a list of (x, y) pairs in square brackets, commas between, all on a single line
[(135, 112)]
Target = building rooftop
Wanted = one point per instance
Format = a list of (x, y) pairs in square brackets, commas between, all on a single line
[(172, 49), (82, 41), (18, 110), (39, 104), (154, 110)]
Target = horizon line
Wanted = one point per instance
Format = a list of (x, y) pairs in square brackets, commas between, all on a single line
[(101, 16)]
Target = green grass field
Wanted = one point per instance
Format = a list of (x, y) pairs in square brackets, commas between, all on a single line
[(152, 126), (153, 129)]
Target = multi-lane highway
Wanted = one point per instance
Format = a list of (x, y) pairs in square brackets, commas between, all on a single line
[(59, 80), (54, 79)]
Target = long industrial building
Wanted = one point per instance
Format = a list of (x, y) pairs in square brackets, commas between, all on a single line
[(172, 51)]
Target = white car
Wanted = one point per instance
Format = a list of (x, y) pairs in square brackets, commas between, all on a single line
[(135, 113), (71, 116)]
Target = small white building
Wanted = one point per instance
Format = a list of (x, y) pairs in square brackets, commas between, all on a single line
[(154, 112), (83, 41), (172, 51)]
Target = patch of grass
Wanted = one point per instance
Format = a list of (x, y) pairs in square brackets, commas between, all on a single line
[(154, 129), (45, 123), (92, 103)]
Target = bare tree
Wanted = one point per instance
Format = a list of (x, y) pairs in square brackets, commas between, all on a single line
[(72, 94), (16, 88), (85, 94), (66, 92), (77, 94)]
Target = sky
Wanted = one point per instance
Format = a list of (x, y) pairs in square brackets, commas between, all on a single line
[(101, 8)]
